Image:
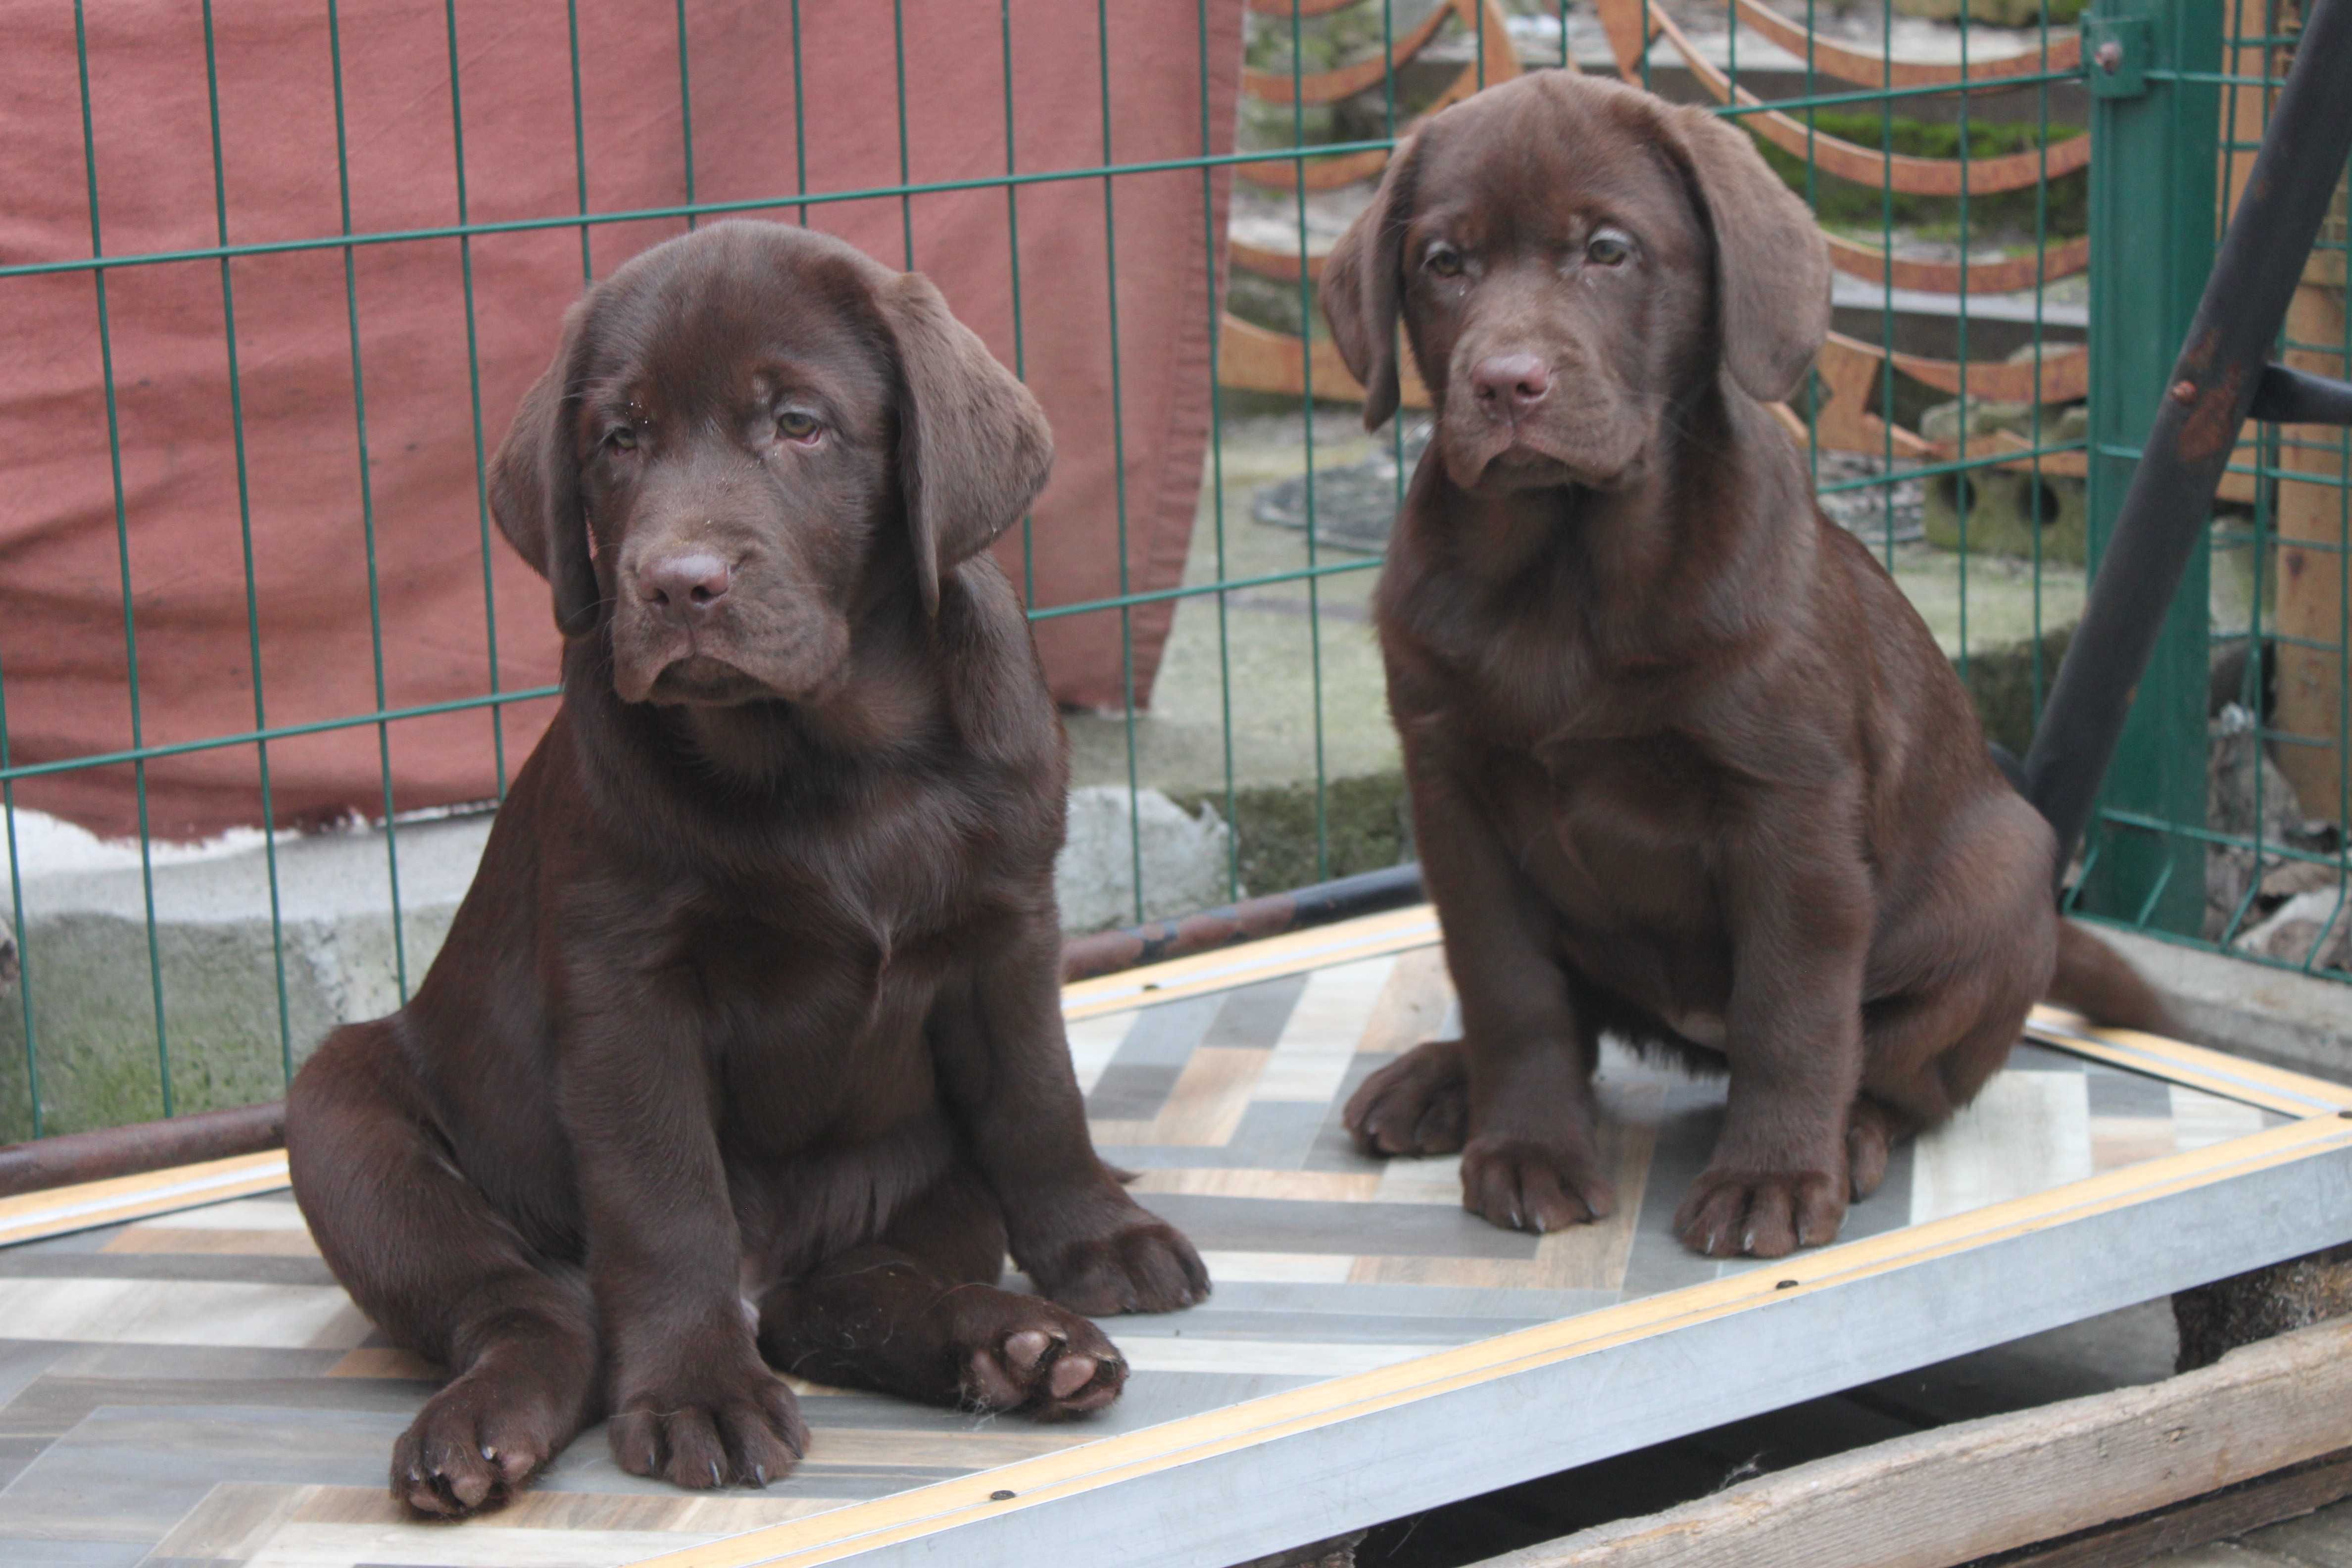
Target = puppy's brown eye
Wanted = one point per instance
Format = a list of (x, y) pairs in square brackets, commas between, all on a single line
[(794, 425), (1443, 261), (1609, 248), (621, 439)]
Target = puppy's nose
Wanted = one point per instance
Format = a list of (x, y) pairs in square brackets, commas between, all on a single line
[(1510, 384), (689, 580)]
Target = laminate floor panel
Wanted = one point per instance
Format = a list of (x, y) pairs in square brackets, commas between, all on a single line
[(192, 1388)]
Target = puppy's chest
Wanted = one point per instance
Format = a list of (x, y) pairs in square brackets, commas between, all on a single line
[(814, 1017), (840, 926), (1604, 737), (1522, 678), (1609, 821), (902, 865), (841, 936), (1620, 839)]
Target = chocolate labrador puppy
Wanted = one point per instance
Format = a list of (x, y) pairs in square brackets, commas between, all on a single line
[(745, 1051), (1684, 763)]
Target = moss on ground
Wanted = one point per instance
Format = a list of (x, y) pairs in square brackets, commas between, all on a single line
[(1365, 828), (1368, 822), (1841, 203)]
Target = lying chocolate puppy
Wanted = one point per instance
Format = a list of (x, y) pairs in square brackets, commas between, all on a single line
[(1684, 763), (746, 1049)]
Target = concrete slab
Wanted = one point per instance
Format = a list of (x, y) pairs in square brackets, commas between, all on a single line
[(246, 985), (2321, 1540), (257, 948)]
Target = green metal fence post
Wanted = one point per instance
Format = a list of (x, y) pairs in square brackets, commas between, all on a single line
[(2154, 142)]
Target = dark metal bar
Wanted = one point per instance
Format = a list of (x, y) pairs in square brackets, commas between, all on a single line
[(249, 1130), (72, 1157), (2212, 389), (1107, 953), (2288, 396)]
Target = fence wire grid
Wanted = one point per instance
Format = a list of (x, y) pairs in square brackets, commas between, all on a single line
[(1953, 188)]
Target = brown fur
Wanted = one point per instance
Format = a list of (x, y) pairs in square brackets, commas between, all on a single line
[(1684, 763), (746, 1049)]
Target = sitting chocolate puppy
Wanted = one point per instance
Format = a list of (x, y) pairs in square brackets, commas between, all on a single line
[(745, 1051), (1684, 763)]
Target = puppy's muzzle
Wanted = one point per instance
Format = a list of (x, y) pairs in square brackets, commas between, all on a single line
[(683, 587), (1509, 386)]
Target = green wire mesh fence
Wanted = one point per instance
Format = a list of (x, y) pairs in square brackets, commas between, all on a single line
[(2006, 305), (2247, 850)]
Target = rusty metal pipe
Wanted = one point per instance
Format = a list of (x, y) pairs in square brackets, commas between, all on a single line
[(73, 1157), (1107, 953)]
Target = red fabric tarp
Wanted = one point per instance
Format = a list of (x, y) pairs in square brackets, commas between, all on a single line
[(63, 656)]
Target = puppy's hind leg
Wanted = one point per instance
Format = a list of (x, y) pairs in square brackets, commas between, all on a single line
[(1417, 1104), (424, 1253), (1924, 1058), (917, 1313), (1928, 1051)]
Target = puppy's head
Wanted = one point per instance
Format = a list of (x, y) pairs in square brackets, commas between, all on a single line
[(1570, 258), (752, 442)]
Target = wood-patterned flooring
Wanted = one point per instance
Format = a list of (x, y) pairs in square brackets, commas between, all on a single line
[(194, 1389)]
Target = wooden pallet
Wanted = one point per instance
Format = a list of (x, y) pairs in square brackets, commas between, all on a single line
[(181, 1375)]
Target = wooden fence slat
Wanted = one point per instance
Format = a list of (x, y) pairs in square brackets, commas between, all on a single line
[(1345, 81), (2066, 54), (1501, 64), (2066, 374), (1306, 7), (2013, 275), (1282, 266), (1252, 358), (1851, 160)]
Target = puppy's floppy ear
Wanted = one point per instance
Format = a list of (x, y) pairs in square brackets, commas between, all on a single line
[(1361, 281), (535, 488), (1771, 264), (973, 447)]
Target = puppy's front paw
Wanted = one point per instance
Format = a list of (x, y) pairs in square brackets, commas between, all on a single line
[(1418, 1104), (1018, 1352), (712, 1422), (1764, 1213), (1118, 1259), (478, 1442), (1521, 1184)]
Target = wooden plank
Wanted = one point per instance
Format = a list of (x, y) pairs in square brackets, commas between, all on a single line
[(2061, 54), (2290, 1494), (1962, 1492), (1344, 81), (2013, 275), (1497, 61), (1259, 359), (1868, 166), (1304, 8), (2311, 539), (2063, 376), (1847, 419)]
